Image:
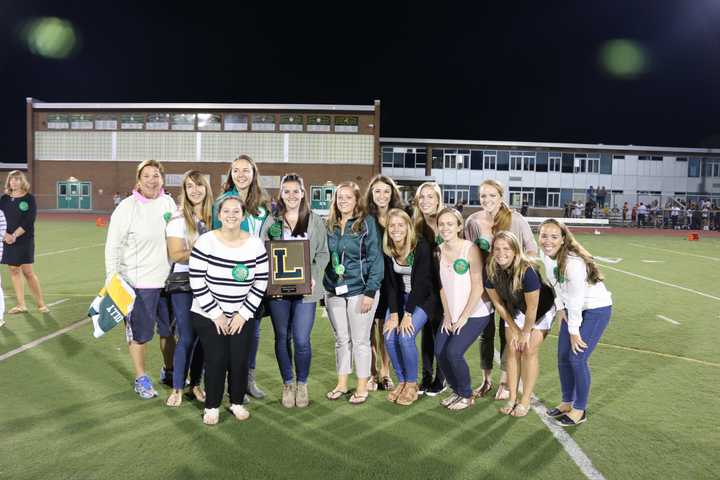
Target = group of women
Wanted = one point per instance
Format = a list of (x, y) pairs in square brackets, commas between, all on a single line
[(386, 273)]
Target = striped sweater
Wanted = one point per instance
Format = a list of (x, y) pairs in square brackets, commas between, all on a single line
[(216, 290)]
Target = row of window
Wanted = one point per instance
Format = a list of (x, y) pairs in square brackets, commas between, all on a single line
[(263, 122), (534, 197)]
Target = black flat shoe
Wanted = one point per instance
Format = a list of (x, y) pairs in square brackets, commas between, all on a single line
[(555, 412), (566, 421)]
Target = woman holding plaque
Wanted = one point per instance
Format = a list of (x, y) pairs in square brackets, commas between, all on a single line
[(352, 281), (382, 195), (410, 291), (20, 210), (427, 203), (293, 316), (187, 224), (228, 276), (243, 181), (467, 310), (495, 216)]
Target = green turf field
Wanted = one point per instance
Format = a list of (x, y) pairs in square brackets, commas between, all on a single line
[(67, 409)]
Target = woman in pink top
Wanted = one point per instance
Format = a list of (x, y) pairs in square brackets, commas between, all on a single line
[(467, 309)]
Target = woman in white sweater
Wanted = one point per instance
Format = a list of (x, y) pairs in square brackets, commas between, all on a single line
[(135, 249), (584, 307), (228, 276)]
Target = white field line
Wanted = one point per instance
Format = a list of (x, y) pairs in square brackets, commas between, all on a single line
[(44, 339), (653, 261), (45, 294), (679, 287), (58, 302), (568, 443), (607, 260), (45, 254), (667, 319), (715, 259)]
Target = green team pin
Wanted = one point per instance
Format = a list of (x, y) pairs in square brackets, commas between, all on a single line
[(337, 266), (240, 272), (275, 230), (461, 266), (483, 244), (559, 277), (438, 239), (23, 206), (410, 259), (167, 216)]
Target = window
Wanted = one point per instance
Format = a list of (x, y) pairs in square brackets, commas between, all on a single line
[(568, 162), (589, 163), (437, 158), (553, 199), (554, 162), (712, 169), (489, 161), (681, 159), (63, 189), (387, 157), (452, 196), (618, 157), (503, 161), (456, 160), (694, 167), (402, 157), (656, 158), (476, 160), (518, 195), (522, 161)]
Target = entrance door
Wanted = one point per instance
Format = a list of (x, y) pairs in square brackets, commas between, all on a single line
[(74, 195)]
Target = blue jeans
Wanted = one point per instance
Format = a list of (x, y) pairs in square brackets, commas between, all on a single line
[(403, 348), (292, 321), (188, 351), (573, 367), (451, 354), (254, 345)]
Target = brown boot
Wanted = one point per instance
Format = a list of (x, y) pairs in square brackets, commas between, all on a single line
[(409, 394), (393, 396)]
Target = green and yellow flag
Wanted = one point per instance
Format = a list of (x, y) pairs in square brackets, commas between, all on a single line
[(111, 306)]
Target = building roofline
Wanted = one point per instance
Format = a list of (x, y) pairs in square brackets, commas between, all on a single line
[(13, 166), (550, 145), (40, 105)]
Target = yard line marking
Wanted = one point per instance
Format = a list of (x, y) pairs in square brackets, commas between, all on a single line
[(662, 283), (568, 443), (58, 302), (652, 352), (69, 250), (44, 339), (653, 261), (675, 251), (60, 295), (663, 317), (607, 260)]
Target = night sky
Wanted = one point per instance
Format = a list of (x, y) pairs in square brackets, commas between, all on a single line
[(525, 71)]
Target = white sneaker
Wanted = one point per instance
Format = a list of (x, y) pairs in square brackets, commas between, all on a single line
[(240, 412), (211, 416)]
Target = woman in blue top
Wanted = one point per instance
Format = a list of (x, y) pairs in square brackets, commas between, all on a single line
[(243, 181), (352, 281)]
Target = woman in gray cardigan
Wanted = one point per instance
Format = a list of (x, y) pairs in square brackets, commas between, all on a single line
[(293, 316)]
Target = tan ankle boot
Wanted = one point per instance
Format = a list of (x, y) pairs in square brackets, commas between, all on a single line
[(409, 394), (393, 396)]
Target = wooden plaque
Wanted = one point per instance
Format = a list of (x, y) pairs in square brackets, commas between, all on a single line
[(289, 264)]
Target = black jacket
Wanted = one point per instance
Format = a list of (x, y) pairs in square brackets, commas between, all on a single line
[(424, 283)]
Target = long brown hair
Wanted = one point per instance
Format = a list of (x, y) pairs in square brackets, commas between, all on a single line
[(390, 248), (571, 245), (395, 201), (256, 196), (421, 227), (186, 206), (503, 217), (303, 211), (358, 214)]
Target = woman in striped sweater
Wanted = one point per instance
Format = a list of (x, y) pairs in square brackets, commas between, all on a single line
[(228, 276)]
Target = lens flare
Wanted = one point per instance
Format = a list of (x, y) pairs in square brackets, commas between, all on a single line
[(50, 37), (624, 58)]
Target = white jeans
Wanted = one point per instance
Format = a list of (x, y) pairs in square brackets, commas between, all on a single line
[(352, 333)]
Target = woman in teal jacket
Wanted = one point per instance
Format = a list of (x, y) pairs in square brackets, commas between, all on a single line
[(352, 280)]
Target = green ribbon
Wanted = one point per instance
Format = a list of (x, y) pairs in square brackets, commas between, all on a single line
[(410, 259), (240, 272), (483, 244), (167, 216), (23, 206), (438, 239), (461, 266), (558, 275), (337, 266), (275, 231)]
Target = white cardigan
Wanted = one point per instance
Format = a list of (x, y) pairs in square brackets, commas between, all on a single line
[(574, 293)]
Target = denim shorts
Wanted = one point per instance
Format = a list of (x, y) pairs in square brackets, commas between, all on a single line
[(150, 312)]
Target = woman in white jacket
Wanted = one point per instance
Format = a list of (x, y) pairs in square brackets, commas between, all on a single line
[(584, 308)]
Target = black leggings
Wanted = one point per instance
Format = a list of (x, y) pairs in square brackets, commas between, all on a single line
[(487, 344), (427, 346), (225, 355)]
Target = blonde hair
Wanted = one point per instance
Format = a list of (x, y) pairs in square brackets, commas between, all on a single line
[(358, 214), (503, 217), (571, 245), (186, 207), (520, 263), (24, 184), (458, 218), (410, 242), (418, 218)]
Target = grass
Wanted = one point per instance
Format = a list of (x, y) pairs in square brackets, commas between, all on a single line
[(68, 410)]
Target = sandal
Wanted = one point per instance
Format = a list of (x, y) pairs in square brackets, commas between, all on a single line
[(387, 384), (211, 416), (372, 384), (356, 399), (44, 309), (197, 393), (508, 408), (175, 399), (483, 389), (454, 397), (18, 309), (502, 392), (462, 403), (335, 394), (520, 410), (239, 411)]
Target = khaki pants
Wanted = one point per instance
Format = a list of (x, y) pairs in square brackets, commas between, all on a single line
[(352, 333)]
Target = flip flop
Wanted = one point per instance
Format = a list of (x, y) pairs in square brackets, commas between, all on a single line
[(18, 309), (483, 389), (356, 399), (508, 408), (44, 309), (174, 400), (520, 410), (335, 394)]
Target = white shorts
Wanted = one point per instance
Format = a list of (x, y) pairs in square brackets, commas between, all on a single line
[(543, 323)]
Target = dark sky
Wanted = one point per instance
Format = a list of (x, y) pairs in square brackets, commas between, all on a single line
[(527, 71)]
